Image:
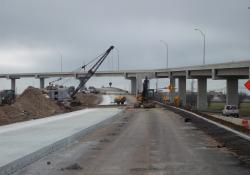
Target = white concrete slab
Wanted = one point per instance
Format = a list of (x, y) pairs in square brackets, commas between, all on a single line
[(21, 139), (107, 99)]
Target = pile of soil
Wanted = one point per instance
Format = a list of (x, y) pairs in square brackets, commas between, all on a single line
[(31, 104), (33, 101), (10, 114), (34, 104)]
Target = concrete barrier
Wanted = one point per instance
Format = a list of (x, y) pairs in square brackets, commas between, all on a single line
[(30, 158), (186, 113), (237, 121)]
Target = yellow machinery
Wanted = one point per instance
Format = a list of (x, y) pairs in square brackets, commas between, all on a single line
[(143, 98), (139, 98), (177, 101), (165, 99), (120, 100)]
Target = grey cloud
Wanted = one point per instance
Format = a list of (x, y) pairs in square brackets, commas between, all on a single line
[(81, 30)]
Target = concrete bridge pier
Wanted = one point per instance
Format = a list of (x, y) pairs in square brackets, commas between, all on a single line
[(136, 85), (133, 86), (182, 90), (232, 97), (13, 84), (42, 83), (202, 93), (172, 93), (137, 81)]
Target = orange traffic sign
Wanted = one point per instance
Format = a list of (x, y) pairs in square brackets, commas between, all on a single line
[(247, 85)]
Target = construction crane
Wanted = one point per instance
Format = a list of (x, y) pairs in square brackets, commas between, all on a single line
[(91, 71), (51, 83)]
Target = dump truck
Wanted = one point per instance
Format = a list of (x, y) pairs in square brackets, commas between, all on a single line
[(7, 97), (120, 100)]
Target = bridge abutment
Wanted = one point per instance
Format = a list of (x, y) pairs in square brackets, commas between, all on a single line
[(202, 93), (232, 97)]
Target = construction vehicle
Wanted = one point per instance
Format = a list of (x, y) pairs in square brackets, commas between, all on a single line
[(91, 71), (59, 93), (144, 97), (177, 101), (52, 82), (7, 97), (120, 100), (67, 94)]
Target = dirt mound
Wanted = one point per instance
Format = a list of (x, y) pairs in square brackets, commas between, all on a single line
[(10, 114), (31, 104), (34, 102)]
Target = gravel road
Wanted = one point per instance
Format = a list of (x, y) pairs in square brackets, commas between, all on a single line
[(142, 141)]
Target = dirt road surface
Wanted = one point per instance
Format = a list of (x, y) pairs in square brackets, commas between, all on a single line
[(142, 141)]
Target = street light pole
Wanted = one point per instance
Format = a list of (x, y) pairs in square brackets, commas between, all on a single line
[(204, 44), (61, 63), (118, 59), (166, 45)]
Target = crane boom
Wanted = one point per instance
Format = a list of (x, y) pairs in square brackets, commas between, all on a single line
[(91, 71)]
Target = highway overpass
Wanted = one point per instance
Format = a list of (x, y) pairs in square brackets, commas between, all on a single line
[(230, 71)]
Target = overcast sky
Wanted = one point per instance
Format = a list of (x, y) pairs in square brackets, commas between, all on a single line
[(34, 33)]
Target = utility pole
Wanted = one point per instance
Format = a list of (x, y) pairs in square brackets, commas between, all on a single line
[(61, 63)]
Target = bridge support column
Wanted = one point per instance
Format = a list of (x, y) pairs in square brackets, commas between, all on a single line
[(133, 86), (136, 81), (42, 83), (232, 97), (138, 85), (182, 90), (13, 84), (202, 94), (172, 84)]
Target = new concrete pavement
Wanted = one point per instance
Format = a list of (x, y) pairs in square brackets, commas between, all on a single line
[(142, 141), (22, 139)]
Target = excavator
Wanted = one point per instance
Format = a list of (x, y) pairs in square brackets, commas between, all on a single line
[(144, 97)]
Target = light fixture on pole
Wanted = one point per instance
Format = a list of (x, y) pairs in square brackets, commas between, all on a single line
[(204, 43), (166, 45), (61, 63)]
